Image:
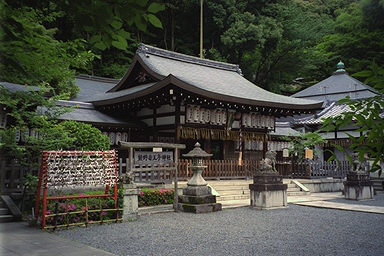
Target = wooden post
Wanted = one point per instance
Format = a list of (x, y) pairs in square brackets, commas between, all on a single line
[(176, 194), (2, 171), (130, 159), (41, 176), (44, 210)]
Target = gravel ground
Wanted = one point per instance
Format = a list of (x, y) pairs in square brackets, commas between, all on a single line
[(378, 201), (297, 230)]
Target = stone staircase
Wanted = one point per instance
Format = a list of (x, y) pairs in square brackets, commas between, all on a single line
[(378, 185), (239, 189), (8, 210)]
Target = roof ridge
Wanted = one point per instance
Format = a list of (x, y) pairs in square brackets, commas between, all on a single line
[(146, 49), (98, 78), (78, 104)]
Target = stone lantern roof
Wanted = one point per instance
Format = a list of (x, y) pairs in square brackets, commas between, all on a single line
[(197, 152)]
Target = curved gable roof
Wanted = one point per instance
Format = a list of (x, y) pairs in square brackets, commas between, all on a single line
[(209, 78)]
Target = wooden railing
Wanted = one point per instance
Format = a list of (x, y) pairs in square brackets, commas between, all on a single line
[(12, 177), (226, 169), (219, 169)]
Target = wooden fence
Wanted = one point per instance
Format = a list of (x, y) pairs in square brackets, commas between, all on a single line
[(12, 175), (230, 169)]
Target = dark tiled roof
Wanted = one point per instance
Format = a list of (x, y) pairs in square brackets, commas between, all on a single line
[(217, 77), (211, 77), (92, 85), (18, 87), (86, 112), (337, 87), (332, 110), (118, 94), (284, 129)]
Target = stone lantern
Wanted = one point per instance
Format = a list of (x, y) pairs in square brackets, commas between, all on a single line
[(197, 196)]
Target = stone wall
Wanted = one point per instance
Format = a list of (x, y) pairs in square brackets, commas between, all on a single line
[(323, 185)]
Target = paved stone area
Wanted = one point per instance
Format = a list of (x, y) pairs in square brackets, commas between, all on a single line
[(297, 230), (17, 238), (344, 206)]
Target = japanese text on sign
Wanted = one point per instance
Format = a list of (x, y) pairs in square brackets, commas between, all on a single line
[(148, 157)]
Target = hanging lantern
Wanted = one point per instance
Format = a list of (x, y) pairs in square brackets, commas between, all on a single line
[(124, 136), (202, 115), (253, 118), (112, 138), (249, 120), (196, 114), (224, 117), (285, 152), (118, 138), (207, 116), (213, 116), (189, 114), (245, 119), (218, 117)]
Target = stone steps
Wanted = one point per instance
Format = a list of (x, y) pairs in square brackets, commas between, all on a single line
[(378, 185), (4, 211), (239, 189), (8, 210), (228, 190), (155, 209), (232, 197), (6, 218)]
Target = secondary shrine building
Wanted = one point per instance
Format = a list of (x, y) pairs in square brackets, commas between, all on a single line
[(170, 97)]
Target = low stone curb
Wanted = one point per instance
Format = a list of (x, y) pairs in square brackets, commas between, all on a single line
[(341, 206)]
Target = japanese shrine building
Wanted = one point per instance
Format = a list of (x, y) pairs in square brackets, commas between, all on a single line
[(330, 90), (170, 97)]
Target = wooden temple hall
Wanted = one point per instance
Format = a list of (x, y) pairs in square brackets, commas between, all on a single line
[(170, 97)]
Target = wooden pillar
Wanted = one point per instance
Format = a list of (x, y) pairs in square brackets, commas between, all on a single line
[(130, 159), (177, 121), (155, 133), (265, 146), (176, 192)]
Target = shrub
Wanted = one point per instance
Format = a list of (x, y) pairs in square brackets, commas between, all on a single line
[(78, 206), (151, 197)]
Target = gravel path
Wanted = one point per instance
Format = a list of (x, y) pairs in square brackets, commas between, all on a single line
[(298, 230)]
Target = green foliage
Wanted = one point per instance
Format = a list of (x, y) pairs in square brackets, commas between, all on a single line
[(21, 110), (366, 116), (78, 207), (374, 76), (30, 54), (357, 41), (86, 137), (151, 197), (303, 141)]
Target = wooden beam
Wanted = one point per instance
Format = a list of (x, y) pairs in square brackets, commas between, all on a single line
[(126, 145)]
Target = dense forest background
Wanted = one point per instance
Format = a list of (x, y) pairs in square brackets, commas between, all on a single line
[(280, 45)]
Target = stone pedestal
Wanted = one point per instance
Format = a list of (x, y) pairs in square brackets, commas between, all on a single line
[(358, 186), (268, 191), (198, 199), (131, 202), (197, 196)]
